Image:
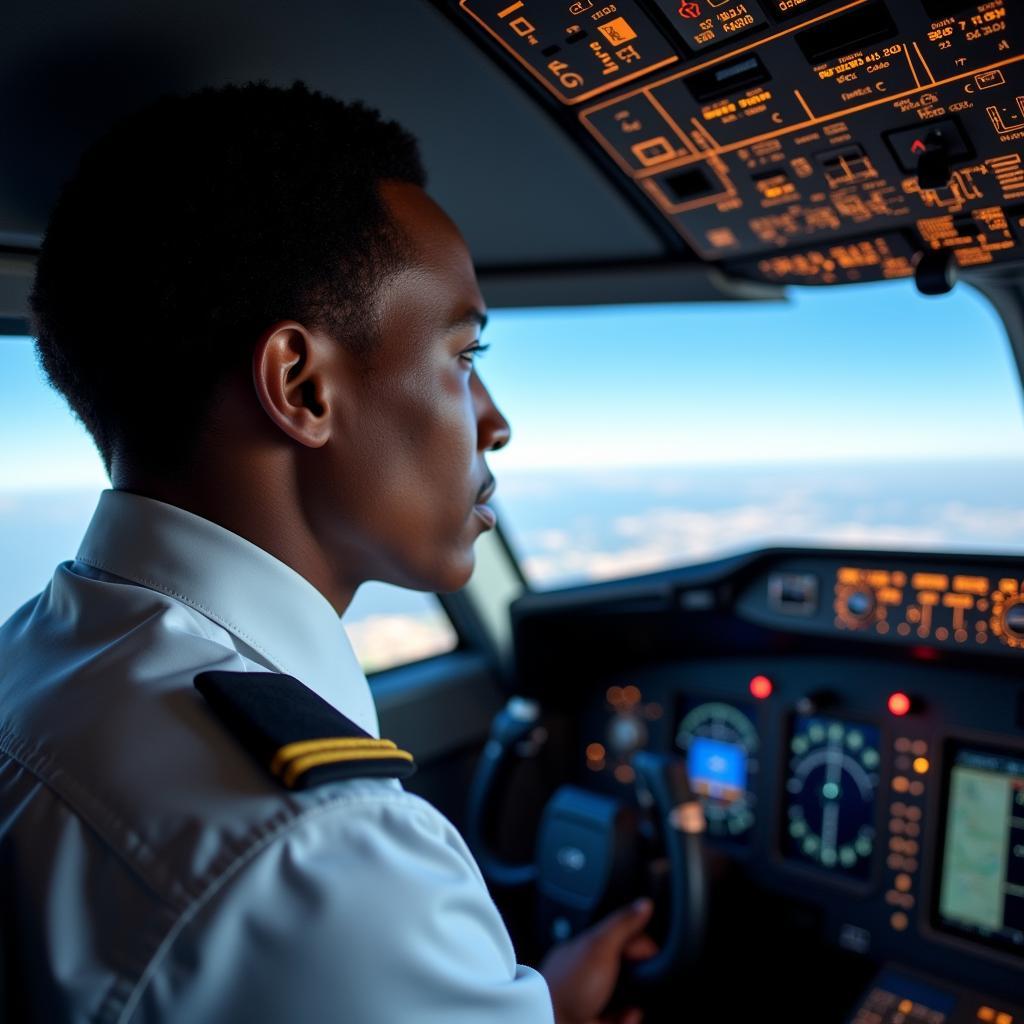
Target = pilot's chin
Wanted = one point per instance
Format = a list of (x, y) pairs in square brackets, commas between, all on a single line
[(455, 575)]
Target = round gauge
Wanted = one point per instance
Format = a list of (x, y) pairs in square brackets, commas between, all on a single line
[(830, 795), (721, 747)]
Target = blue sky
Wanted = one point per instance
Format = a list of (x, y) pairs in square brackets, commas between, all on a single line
[(861, 372), (874, 371)]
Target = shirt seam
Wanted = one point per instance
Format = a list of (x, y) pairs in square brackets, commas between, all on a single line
[(188, 914), (84, 806), (185, 599)]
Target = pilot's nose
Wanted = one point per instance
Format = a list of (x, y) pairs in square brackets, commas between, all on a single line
[(493, 430)]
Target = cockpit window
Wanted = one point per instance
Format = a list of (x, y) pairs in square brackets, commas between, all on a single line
[(51, 477), (651, 436)]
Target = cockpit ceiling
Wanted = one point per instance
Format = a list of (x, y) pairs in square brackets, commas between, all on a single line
[(504, 170), (792, 141)]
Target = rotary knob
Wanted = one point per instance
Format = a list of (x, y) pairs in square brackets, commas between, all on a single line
[(857, 606), (1013, 618)]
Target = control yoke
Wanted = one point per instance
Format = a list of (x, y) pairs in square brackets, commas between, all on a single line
[(595, 853)]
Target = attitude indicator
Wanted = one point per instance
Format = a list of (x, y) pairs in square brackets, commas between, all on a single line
[(721, 746)]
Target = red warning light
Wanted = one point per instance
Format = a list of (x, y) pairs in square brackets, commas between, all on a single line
[(761, 687), (899, 704), (917, 146), (689, 10)]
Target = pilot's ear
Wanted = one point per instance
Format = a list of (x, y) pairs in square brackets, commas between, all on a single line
[(291, 371)]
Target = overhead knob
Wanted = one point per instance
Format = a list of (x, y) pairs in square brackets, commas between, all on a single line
[(935, 272)]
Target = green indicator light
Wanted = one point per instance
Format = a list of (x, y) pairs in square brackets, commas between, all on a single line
[(830, 790)]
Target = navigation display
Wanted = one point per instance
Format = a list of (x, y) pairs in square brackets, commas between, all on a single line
[(981, 886)]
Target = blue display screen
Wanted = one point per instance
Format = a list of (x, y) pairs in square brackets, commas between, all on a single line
[(717, 769)]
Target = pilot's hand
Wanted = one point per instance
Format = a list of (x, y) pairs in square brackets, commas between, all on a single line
[(582, 973)]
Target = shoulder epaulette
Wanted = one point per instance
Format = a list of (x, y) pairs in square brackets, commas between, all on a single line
[(295, 733)]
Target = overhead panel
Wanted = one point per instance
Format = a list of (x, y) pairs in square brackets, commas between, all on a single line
[(794, 141)]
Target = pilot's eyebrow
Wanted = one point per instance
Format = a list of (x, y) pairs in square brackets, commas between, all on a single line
[(472, 317)]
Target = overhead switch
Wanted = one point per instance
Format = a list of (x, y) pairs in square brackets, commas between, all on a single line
[(930, 152), (934, 168)]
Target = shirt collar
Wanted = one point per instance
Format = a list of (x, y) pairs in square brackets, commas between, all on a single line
[(246, 590)]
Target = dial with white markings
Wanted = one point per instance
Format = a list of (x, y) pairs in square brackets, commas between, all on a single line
[(830, 794)]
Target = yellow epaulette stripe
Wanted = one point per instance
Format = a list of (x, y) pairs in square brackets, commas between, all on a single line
[(293, 750), (304, 764)]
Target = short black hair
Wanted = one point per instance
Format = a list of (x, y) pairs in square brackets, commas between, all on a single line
[(190, 228)]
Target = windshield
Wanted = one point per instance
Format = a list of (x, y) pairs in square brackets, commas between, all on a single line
[(651, 436)]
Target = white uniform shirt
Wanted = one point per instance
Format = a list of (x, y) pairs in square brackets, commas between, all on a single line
[(152, 870)]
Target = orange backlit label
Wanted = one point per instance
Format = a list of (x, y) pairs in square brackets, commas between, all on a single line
[(722, 238), (789, 8), (578, 50), (978, 585), (617, 31), (703, 23), (929, 581)]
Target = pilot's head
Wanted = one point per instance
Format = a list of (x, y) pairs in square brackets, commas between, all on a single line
[(258, 313)]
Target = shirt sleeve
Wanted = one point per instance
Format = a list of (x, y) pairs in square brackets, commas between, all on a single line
[(366, 911)]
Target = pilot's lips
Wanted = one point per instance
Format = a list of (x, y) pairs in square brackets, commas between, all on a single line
[(482, 509)]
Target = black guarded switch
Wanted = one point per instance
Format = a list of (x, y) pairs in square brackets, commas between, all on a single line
[(934, 165), (930, 151)]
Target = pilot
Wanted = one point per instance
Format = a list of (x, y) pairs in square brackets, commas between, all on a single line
[(270, 331)]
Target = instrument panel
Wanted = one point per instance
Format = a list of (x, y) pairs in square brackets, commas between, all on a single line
[(873, 779), (796, 141), (906, 828)]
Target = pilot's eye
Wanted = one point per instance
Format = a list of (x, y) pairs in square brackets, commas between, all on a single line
[(476, 349)]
